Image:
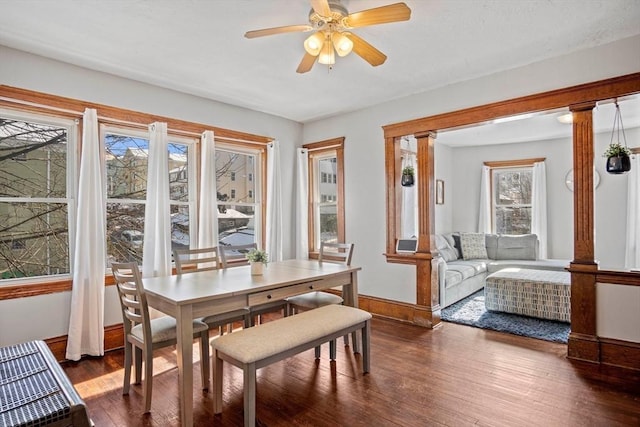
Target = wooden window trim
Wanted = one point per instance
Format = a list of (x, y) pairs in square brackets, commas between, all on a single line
[(58, 106), (581, 99), (319, 148)]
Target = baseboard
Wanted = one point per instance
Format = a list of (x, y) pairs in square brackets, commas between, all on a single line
[(623, 354), (113, 340), (604, 351)]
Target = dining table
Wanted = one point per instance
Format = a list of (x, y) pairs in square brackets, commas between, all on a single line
[(193, 295)]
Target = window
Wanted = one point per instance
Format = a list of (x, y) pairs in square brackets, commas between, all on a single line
[(511, 195), (36, 176), (127, 155), (39, 148), (239, 208), (326, 189)]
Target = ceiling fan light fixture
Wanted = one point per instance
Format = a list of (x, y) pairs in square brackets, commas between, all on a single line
[(314, 43), (342, 43), (327, 55)]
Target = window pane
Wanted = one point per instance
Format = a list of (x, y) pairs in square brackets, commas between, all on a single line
[(33, 239), (180, 237), (126, 160), (329, 223), (179, 172), (513, 220), (125, 232), (513, 187), (234, 173), (236, 225), (33, 159)]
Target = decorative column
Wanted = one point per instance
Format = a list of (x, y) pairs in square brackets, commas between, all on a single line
[(427, 257), (583, 340)]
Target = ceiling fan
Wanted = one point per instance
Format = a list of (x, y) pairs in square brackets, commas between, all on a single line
[(332, 23)]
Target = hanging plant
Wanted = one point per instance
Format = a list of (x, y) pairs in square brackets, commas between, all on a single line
[(618, 160), (408, 176)]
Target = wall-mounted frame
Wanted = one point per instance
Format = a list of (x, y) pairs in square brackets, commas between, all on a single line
[(439, 192)]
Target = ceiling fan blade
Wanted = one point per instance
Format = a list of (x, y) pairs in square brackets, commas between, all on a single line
[(321, 7), (277, 30), (306, 63), (379, 15), (367, 52)]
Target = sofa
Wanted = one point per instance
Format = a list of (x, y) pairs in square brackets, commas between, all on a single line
[(466, 259)]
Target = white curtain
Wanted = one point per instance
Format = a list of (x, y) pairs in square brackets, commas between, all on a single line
[(302, 204), (539, 207), (632, 249), (208, 208), (484, 213), (156, 254), (409, 217), (273, 245), (86, 323)]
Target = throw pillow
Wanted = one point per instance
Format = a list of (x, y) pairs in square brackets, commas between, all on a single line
[(456, 244), (446, 252), (473, 246)]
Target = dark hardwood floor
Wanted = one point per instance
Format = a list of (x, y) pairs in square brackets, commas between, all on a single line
[(454, 375)]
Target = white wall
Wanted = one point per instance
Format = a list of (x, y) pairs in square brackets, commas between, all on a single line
[(47, 316), (364, 149), (610, 196), (444, 170)]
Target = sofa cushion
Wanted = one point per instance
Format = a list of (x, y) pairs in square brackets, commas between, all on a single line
[(516, 247), (473, 246), (446, 251), (454, 241), (457, 271), (491, 242)]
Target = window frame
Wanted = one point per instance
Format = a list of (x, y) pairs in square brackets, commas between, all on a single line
[(259, 184), (316, 151), (24, 101), (73, 130), (508, 165)]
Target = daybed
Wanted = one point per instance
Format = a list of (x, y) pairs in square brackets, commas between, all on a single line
[(467, 259)]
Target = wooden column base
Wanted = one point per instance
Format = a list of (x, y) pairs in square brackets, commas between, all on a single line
[(583, 347)]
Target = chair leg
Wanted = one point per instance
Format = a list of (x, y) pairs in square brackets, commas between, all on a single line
[(148, 378), (346, 339), (216, 373), (127, 367), (247, 321), (332, 349), (137, 353), (318, 352), (204, 359)]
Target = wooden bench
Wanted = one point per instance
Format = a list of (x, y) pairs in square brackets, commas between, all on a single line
[(257, 347)]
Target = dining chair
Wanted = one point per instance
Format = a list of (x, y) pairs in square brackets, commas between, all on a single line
[(206, 259), (234, 256), (329, 252), (144, 335)]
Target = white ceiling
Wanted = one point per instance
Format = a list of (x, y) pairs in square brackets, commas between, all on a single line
[(198, 47)]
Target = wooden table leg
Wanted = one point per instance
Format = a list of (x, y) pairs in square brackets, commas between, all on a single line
[(184, 349)]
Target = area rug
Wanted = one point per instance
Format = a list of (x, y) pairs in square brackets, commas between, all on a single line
[(471, 311)]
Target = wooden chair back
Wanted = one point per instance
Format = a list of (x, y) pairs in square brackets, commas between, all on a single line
[(233, 255), (192, 260), (336, 252), (133, 300)]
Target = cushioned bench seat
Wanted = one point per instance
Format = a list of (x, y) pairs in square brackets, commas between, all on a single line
[(544, 294), (254, 348)]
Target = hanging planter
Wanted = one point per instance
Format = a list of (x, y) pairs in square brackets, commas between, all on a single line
[(618, 160), (408, 177)]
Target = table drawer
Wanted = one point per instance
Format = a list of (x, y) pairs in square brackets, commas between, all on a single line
[(301, 288)]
